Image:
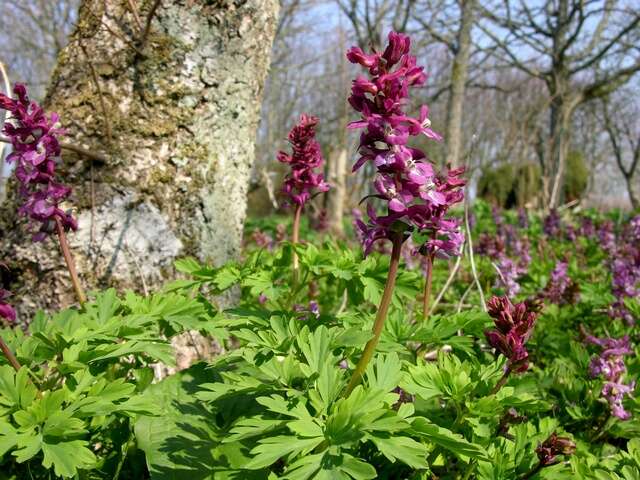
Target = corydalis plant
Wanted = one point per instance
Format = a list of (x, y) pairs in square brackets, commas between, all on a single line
[(417, 199), (609, 365), (302, 181), (36, 153), (513, 327)]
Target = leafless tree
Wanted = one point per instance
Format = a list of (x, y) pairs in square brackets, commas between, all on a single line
[(32, 33), (450, 23), (623, 129), (564, 43)]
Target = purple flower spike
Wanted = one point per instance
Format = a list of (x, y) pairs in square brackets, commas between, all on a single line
[(6, 311), (558, 283), (306, 157), (552, 224), (609, 365), (36, 153), (514, 325), (417, 198)]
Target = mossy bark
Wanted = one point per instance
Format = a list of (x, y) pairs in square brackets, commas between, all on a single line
[(175, 112)]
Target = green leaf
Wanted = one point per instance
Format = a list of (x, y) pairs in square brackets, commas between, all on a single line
[(67, 457), (272, 448), (447, 439), (182, 441), (402, 448)]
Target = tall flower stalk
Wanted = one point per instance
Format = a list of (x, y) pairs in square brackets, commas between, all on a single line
[(302, 181), (9, 314), (416, 197), (36, 154)]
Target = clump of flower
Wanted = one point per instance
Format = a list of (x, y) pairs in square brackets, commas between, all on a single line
[(560, 288), (320, 220), (523, 218), (551, 225), (416, 196), (607, 237), (6, 310), (306, 157), (513, 327), (36, 153), (587, 228), (624, 264), (625, 272), (610, 366), (553, 446), (262, 239), (509, 271)]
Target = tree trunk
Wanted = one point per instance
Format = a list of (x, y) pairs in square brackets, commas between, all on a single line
[(633, 198), (560, 112), (173, 104), (338, 181), (459, 71)]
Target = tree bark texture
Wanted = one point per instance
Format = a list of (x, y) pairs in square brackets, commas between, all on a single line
[(459, 72), (174, 105), (338, 193)]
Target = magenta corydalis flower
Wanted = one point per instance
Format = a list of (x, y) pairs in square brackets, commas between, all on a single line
[(301, 182), (514, 325), (553, 446), (6, 310), (416, 196), (36, 153)]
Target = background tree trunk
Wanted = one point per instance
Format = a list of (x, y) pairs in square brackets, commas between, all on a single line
[(173, 103), (337, 200), (459, 72)]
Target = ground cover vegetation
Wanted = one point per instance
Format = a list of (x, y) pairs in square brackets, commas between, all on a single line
[(438, 339)]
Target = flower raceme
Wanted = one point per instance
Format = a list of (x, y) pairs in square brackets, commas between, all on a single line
[(36, 153), (416, 195), (306, 157), (611, 367), (514, 325)]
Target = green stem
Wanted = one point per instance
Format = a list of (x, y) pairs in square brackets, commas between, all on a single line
[(295, 238), (532, 472), (427, 288), (381, 316), (71, 266), (6, 351), (501, 382)]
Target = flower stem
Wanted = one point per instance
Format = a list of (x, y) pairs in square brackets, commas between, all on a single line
[(501, 382), (533, 471), (6, 351), (427, 288), (381, 316), (71, 266), (295, 238)]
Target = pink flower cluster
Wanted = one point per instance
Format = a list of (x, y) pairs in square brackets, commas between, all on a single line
[(610, 366), (514, 325), (305, 158), (36, 153), (416, 196), (6, 310)]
